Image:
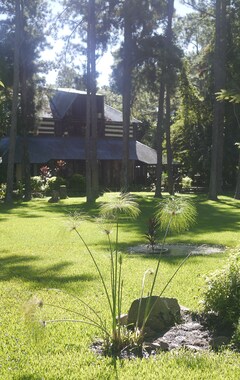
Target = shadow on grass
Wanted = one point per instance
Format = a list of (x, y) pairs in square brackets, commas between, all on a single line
[(172, 260), (22, 267), (212, 216), (38, 208)]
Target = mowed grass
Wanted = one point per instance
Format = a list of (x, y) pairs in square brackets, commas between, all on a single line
[(38, 252)]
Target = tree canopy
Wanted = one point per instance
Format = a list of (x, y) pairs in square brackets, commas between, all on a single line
[(179, 75)]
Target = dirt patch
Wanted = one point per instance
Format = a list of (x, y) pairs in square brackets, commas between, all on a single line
[(179, 249)]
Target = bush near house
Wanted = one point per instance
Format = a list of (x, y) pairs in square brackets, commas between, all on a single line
[(54, 183), (77, 184)]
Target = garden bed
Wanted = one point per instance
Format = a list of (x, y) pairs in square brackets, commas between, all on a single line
[(179, 249)]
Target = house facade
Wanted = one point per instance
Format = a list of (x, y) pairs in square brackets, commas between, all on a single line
[(59, 134)]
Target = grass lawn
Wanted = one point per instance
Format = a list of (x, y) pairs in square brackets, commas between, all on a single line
[(38, 252)]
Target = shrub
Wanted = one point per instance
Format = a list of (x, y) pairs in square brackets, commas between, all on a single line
[(236, 336), (19, 189), (186, 182), (3, 187), (222, 293), (77, 184), (37, 184), (54, 183)]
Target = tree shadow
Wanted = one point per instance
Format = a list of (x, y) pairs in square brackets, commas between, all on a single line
[(211, 217), (24, 268), (34, 209)]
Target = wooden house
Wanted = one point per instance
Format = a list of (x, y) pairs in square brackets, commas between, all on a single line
[(59, 134)]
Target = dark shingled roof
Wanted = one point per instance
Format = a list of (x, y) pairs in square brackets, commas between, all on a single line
[(43, 149), (62, 99)]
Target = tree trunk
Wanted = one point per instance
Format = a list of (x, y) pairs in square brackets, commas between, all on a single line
[(159, 135), (237, 191), (168, 103), (127, 87), (13, 130), (219, 83), (168, 143), (91, 122), (26, 128)]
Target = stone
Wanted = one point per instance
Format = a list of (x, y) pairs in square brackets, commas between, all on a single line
[(164, 313), (159, 346), (122, 320)]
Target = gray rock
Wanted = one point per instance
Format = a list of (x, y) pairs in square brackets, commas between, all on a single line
[(159, 346), (122, 320), (164, 313)]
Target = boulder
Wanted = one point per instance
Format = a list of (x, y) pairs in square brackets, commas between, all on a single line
[(164, 313)]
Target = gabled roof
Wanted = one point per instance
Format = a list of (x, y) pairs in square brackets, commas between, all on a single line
[(61, 100), (43, 149), (112, 114)]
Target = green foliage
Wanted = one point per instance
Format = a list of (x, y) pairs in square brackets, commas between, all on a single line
[(176, 213), (37, 184), (117, 338), (236, 336), (3, 187), (151, 234), (54, 183), (123, 203), (186, 182), (38, 253), (19, 190), (222, 293), (229, 95), (77, 184), (119, 205)]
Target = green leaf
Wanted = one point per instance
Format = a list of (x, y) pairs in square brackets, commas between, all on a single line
[(176, 212), (120, 204)]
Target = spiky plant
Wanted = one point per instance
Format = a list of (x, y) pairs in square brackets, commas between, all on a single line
[(118, 338), (176, 214), (151, 234), (122, 204)]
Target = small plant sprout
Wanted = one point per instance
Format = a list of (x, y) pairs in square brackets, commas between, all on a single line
[(151, 234)]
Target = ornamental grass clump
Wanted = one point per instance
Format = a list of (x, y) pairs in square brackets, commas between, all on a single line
[(174, 214), (122, 204)]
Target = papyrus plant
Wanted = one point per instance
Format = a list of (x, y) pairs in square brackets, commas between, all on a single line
[(174, 214), (122, 204)]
